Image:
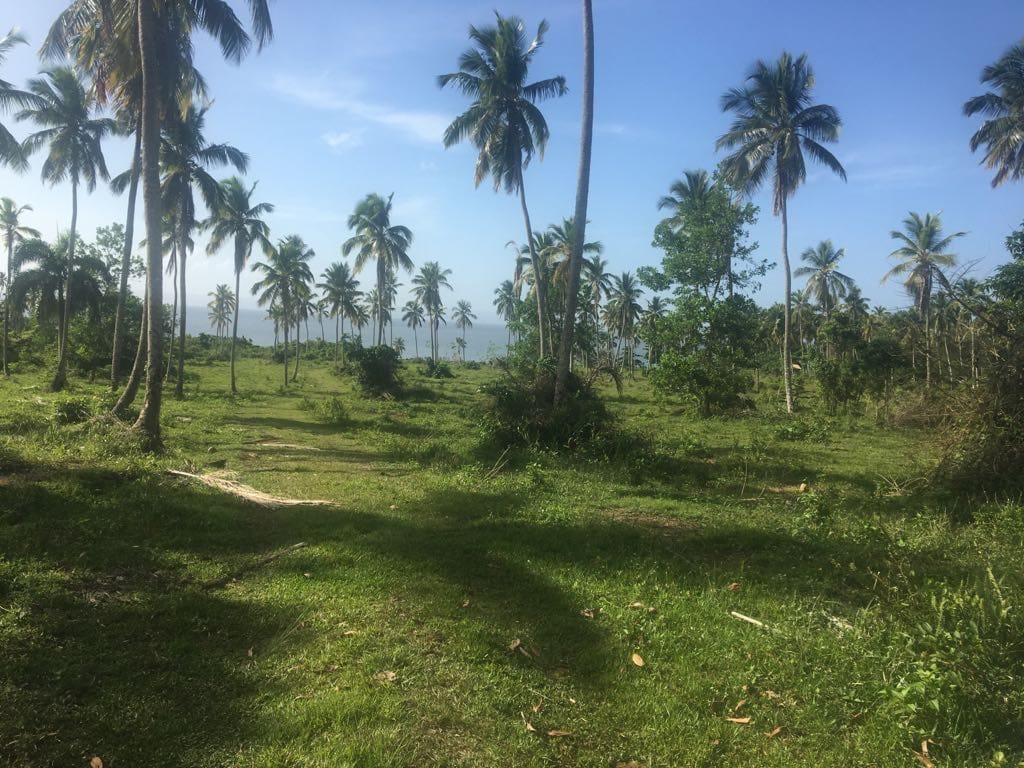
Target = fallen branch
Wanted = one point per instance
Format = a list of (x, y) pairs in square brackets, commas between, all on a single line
[(755, 622), (247, 493), (257, 563)]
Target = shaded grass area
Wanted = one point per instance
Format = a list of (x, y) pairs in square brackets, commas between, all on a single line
[(443, 613)]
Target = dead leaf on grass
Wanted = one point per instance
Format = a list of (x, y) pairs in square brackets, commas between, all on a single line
[(386, 676), (739, 720), (556, 734), (733, 586), (774, 732), (637, 659)]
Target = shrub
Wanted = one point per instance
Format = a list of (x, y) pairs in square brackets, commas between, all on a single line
[(71, 409), (713, 382), (438, 370), (329, 411), (842, 383), (804, 431), (377, 370)]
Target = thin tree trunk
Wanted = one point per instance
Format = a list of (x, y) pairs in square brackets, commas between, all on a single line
[(131, 389), (416, 341), (582, 196), (234, 330), (179, 387), (974, 366), (337, 338), (60, 379), (925, 302), (538, 276), (7, 298), (174, 314), (286, 353), (126, 260), (380, 302), (298, 347), (787, 364)]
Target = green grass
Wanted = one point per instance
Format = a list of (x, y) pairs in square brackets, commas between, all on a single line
[(122, 635)]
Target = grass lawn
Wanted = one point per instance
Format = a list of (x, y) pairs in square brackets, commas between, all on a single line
[(450, 611)]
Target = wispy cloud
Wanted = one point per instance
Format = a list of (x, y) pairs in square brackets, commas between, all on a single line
[(344, 96), (340, 140), (893, 166)]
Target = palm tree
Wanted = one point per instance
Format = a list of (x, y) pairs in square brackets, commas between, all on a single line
[(693, 188), (45, 272), (222, 306), (285, 272), (599, 282), (11, 152), (427, 285), (824, 280), (623, 311), (413, 316), (559, 246), (921, 257), (503, 120), (185, 154), (506, 305), (582, 197), (856, 304), (341, 290), (463, 317), (64, 111), (1002, 133), (377, 238), (14, 233), (655, 311), (775, 124), (235, 217)]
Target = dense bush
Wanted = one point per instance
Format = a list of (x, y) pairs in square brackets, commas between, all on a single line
[(842, 383), (329, 411), (713, 382), (377, 370), (71, 409), (438, 370)]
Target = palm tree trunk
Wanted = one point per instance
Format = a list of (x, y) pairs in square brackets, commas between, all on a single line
[(380, 302), (286, 353), (126, 260), (925, 302), (174, 314), (974, 366), (298, 347), (60, 379), (148, 422), (538, 278), (7, 298), (582, 195), (234, 330), (416, 341), (179, 387), (131, 389), (337, 338), (787, 359)]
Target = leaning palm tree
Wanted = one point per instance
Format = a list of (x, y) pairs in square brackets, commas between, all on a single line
[(13, 233), (921, 257), (285, 273), (1002, 133), (503, 120), (340, 290), (824, 280), (236, 218), (11, 152), (414, 317), (463, 317), (73, 136), (376, 238), (776, 123), (221, 307)]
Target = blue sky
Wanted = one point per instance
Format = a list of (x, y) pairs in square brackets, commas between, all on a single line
[(344, 102)]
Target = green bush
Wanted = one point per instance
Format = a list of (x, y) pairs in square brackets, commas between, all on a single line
[(377, 370), (71, 409), (329, 411), (438, 370), (713, 382), (842, 383)]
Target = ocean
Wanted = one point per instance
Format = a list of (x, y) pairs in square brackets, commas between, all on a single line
[(483, 340)]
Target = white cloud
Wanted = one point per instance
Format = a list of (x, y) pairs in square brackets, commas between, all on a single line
[(342, 139), (343, 97)]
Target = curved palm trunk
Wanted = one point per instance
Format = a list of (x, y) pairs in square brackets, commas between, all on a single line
[(179, 387), (126, 261), (538, 277), (787, 358), (61, 377), (234, 330), (148, 423), (582, 196), (135, 377)]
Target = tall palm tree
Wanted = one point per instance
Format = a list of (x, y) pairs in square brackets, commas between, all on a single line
[(378, 239), (506, 305), (236, 218), (655, 311), (921, 257), (856, 304), (11, 152), (413, 316), (580, 213), (73, 135), (599, 282), (776, 123), (1002, 133), (340, 291), (285, 273), (559, 246), (185, 155), (463, 317), (503, 120), (824, 280), (427, 285), (221, 307), (14, 233), (623, 310), (693, 188)]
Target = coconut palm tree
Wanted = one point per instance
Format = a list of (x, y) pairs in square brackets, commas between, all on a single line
[(285, 272), (236, 218), (221, 307), (599, 282), (413, 316), (776, 124), (694, 187), (13, 233), (1002, 133), (824, 280), (44, 273), (655, 311), (463, 317), (623, 311), (921, 257), (427, 285), (11, 152), (559, 246), (856, 304), (376, 238), (503, 120), (72, 134), (340, 292), (506, 305), (185, 155)]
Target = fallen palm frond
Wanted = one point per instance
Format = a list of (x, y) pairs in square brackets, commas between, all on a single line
[(245, 492)]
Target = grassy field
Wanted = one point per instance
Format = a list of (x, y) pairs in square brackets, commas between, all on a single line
[(448, 609)]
